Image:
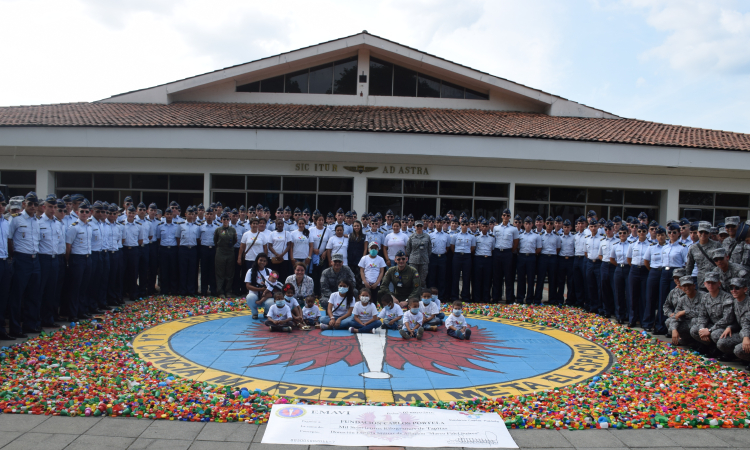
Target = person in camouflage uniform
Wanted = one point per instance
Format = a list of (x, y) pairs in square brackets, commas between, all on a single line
[(725, 269), (687, 309), (735, 247), (739, 343), (716, 315), (673, 297), (225, 237), (699, 254), (330, 278), (405, 279), (418, 248)]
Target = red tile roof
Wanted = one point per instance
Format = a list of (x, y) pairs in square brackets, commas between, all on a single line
[(371, 119)]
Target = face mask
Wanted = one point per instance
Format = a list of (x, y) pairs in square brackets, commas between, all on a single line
[(426, 301), (387, 308), (434, 297), (414, 311), (456, 312), (373, 253), (288, 299), (364, 300), (280, 303), (343, 290)]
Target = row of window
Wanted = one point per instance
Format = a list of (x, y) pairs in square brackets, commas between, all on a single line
[(435, 205), (572, 195), (387, 79), (278, 183), (713, 207), (19, 182), (324, 202), (95, 180), (420, 187), (339, 77)]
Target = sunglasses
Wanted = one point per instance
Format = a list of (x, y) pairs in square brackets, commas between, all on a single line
[(400, 259), (735, 288), (623, 232), (506, 215), (3, 204), (84, 211), (718, 259), (674, 232), (338, 262), (58, 209), (641, 231), (32, 203)]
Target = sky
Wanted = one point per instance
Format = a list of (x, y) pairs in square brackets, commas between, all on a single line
[(683, 62)]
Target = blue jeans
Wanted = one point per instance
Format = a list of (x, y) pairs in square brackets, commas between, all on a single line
[(395, 326), (366, 328), (345, 324), (252, 297), (466, 334)]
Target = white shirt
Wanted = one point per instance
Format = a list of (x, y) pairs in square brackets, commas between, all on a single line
[(277, 313), (372, 267), (392, 313), (365, 312), (260, 279), (316, 235), (252, 252), (335, 300), (395, 242), (300, 245), (456, 322), (414, 320), (339, 245), (279, 240), (311, 313), (428, 310)]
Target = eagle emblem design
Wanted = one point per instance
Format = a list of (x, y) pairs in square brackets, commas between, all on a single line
[(360, 169)]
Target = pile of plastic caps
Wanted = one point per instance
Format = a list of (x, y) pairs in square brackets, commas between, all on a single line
[(90, 369)]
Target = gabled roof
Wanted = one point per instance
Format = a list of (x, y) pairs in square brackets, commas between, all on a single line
[(370, 119)]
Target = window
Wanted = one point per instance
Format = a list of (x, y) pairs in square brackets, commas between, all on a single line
[(338, 77), (573, 202), (713, 207), (387, 79), (273, 191), (19, 182), (419, 197)]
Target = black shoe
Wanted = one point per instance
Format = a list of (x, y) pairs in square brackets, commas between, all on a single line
[(747, 368), (83, 316), (50, 325), (32, 330), (6, 337), (726, 358), (105, 308), (17, 335), (631, 325)]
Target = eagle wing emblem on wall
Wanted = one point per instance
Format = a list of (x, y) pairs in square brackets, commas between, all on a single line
[(360, 169)]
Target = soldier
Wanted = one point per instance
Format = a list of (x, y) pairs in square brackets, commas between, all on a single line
[(144, 250), (593, 267), (607, 270), (638, 277), (23, 247), (547, 262), (78, 254), (330, 278), (686, 309), (725, 269), (419, 249), (99, 258), (132, 239), (579, 266), (405, 280), (482, 268), (168, 240), (653, 259), (463, 245), (716, 316), (153, 249), (619, 258), (673, 298), (530, 245), (733, 247), (738, 343), (224, 238), (565, 263), (698, 254), (439, 244), (49, 245), (116, 260), (208, 253), (506, 244), (61, 263)]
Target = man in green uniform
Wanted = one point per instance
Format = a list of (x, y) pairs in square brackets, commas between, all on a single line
[(405, 280), (224, 238)]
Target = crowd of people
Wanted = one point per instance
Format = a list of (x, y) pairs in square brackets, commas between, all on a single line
[(72, 258)]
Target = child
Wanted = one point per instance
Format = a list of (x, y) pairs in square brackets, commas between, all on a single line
[(436, 301), (429, 310), (293, 305), (340, 306), (273, 283), (391, 314), (413, 321), (311, 312), (365, 314), (279, 318), (456, 323)]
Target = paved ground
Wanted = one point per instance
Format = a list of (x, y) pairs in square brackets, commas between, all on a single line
[(53, 433)]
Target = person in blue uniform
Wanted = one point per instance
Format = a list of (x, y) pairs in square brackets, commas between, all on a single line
[(132, 239), (153, 248), (547, 262), (143, 250), (105, 257), (6, 268), (436, 272), (619, 259), (654, 261), (49, 246), (116, 260), (506, 244), (23, 247), (168, 240), (674, 255), (61, 263), (208, 253), (463, 245), (565, 262), (78, 254), (482, 269), (607, 270), (188, 253), (638, 276), (453, 230), (593, 268), (97, 265), (579, 266), (529, 246)]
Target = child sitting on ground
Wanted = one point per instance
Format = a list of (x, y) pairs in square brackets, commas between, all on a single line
[(293, 305), (456, 323), (412, 321), (311, 312), (391, 313), (436, 301), (365, 314), (429, 310), (279, 318)]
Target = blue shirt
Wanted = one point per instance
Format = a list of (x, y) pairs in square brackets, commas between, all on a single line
[(620, 252), (485, 244), (97, 244), (131, 232), (240, 231), (69, 219), (49, 235), (116, 235), (605, 248), (347, 228), (207, 234), (106, 231), (592, 247), (440, 242), (78, 236), (24, 231), (189, 234), (152, 223), (568, 245), (168, 234), (505, 235), (654, 256), (4, 233), (145, 230), (529, 242), (551, 243), (463, 242), (637, 251), (371, 236), (580, 244), (674, 255)]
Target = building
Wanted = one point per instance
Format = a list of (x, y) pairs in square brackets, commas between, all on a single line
[(366, 123)]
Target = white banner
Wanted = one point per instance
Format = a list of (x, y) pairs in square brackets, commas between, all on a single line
[(389, 426)]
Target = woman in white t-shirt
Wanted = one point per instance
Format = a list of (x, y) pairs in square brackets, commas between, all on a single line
[(319, 235), (365, 314), (301, 243), (339, 243), (255, 282), (280, 247), (393, 243), (372, 268), (252, 244), (340, 306)]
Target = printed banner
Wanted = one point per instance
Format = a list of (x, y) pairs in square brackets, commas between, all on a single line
[(385, 426)]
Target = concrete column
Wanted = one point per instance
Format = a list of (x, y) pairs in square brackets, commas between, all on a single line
[(45, 183), (363, 68), (359, 197), (670, 205), (206, 189), (511, 200)]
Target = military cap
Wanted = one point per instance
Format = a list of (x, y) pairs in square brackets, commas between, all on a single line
[(673, 227), (142, 205), (591, 213), (718, 253), (234, 211), (127, 199), (31, 197), (279, 209), (378, 215), (454, 219), (400, 254), (492, 219), (316, 212), (686, 280), (51, 199), (527, 219), (463, 214), (113, 209), (306, 211), (712, 276), (684, 221), (642, 226), (678, 272), (506, 211), (609, 224), (251, 208), (642, 215), (704, 226), (410, 216), (602, 221), (653, 223), (131, 208), (540, 218), (566, 223), (593, 222), (518, 217), (218, 204), (98, 205), (287, 208), (472, 220), (450, 212), (738, 282), (732, 221), (79, 198), (348, 214), (354, 213), (60, 203), (624, 228), (480, 218), (715, 230), (483, 222), (153, 205), (581, 220), (338, 257), (266, 209), (617, 219), (66, 198), (438, 218), (259, 207), (694, 227), (242, 208), (190, 209), (341, 211), (330, 214), (224, 216), (425, 217), (661, 230), (550, 219), (418, 223), (397, 219), (558, 219)]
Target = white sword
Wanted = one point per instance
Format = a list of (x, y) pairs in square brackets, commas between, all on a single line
[(372, 347)]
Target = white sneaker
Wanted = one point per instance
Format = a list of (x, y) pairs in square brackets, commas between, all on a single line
[(351, 329), (323, 326)]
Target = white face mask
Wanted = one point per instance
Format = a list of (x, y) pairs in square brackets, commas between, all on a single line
[(364, 300), (456, 312), (426, 301)]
